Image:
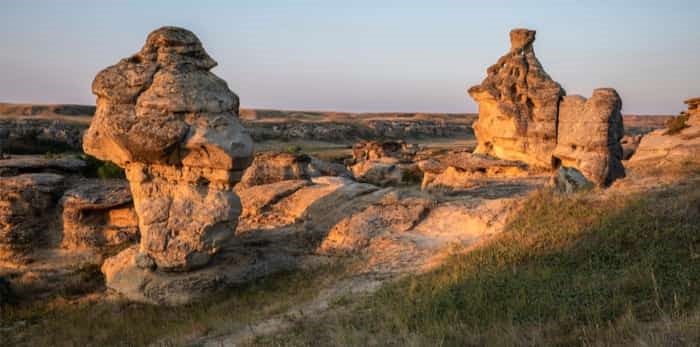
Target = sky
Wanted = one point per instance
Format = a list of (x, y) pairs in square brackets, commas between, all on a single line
[(361, 56)]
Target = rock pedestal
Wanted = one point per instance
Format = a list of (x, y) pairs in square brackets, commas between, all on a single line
[(173, 125)]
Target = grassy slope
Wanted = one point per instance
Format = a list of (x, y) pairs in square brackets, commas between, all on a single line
[(63, 322), (575, 270)]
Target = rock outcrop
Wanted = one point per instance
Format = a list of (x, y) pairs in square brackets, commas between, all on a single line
[(680, 141), (518, 105), (373, 150), (589, 135), (384, 163), (26, 206), (19, 165), (98, 214), (524, 115), (394, 213), (271, 167), (460, 171), (173, 125)]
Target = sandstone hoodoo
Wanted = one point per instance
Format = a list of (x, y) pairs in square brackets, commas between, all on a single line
[(518, 106), (589, 135), (524, 115), (173, 125)]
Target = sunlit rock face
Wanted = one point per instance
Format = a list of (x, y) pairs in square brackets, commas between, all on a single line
[(524, 115), (518, 105), (589, 135), (679, 143), (173, 125)]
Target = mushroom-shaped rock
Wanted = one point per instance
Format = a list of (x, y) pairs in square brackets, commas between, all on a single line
[(173, 125)]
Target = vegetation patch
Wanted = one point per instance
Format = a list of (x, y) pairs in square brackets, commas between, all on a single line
[(676, 124), (102, 169), (62, 322), (569, 270)]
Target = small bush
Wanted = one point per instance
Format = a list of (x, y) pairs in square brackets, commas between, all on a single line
[(676, 124), (110, 170), (295, 149), (102, 169)]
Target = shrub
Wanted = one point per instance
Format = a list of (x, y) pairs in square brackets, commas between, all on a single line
[(676, 124), (295, 149), (102, 169)]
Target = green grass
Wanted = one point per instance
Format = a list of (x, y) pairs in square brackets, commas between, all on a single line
[(569, 270), (62, 322)]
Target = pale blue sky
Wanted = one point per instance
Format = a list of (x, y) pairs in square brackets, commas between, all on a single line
[(361, 55)]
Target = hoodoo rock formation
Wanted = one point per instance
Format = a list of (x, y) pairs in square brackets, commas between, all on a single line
[(589, 135), (173, 125), (524, 115), (518, 106)]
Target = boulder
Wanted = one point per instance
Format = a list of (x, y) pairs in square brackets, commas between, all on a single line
[(26, 207), (569, 180), (374, 150), (589, 135), (518, 106), (384, 172), (271, 167), (98, 214), (173, 126)]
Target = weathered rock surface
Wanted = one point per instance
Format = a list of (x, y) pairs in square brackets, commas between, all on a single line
[(173, 125), (38, 136), (392, 214), (589, 135), (386, 163), (680, 145), (461, 170), (295, 201), (569, 180), (518, 105), (374, 150), (19, 165), (26, 206), (274, 167), (629, 145), (98, 214), (386, 172), (524, 115)]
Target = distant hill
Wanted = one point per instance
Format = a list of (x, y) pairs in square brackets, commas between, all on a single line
[(267, 115)]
